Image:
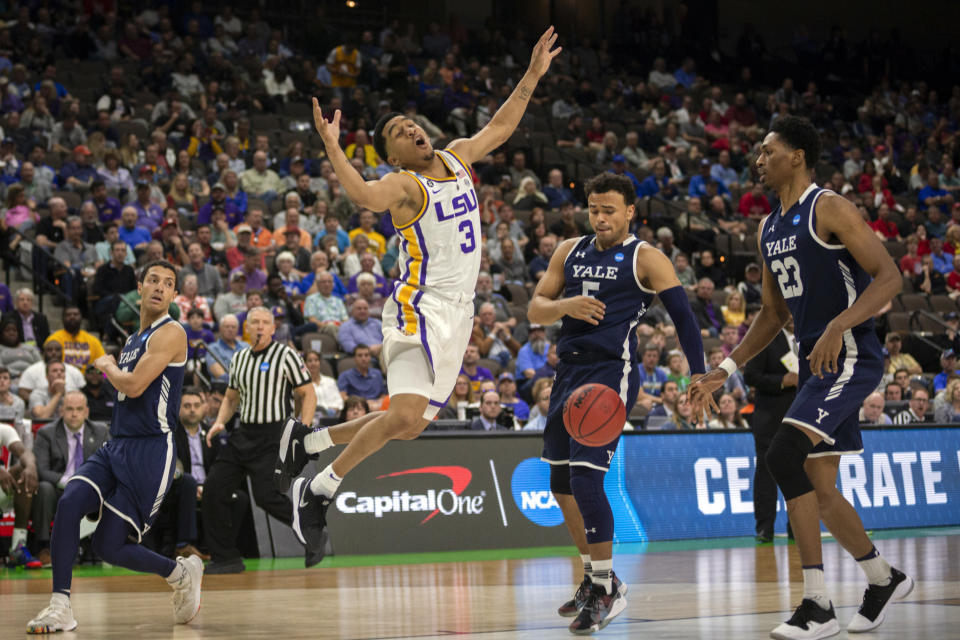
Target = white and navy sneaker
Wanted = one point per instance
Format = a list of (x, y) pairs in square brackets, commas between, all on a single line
[(572, 607), (293, 457), (875, 601), (186, 591), (309, 516), (599, 609), (57, 616), (809, 622)]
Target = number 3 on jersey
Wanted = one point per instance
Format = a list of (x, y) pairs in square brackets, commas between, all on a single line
[(469, 242), (788, 276)]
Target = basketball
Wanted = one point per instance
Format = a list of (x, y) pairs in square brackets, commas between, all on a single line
[(594, 415)]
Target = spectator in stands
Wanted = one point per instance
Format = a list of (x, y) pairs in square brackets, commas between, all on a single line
[(256, 278), (538, 266), (930, 280), (221, 350), (485, 293), (108, 208), (683, 417), (366, 289), (490, 410), (754, 203), (12, 407), (634, 154), (35, 185), (652, 376), (884, 226), (323, 308), (667, 407), (507, 388), (933, 196), (917, 409), (685, 273), (45, 404), (948, 410), (79, 174), (112, 280), (378, 244), (618, 166), (709, 317), (259, 181), (32, 327), (735, 384), (532, 356), (697, 225), (709, 268), (893, 392), (21, 213), (362, 380), (60, 448), (189, 299), (910, 263), (15, 356), (329, 401), (149, 213), (556, 192), (699, 182), (209, 284), (899, 360), (494, 339), (361, 329), (729, 415), (950, 338), (136, 236), (872, 410), (35, 376), (101, 395), (677, 369), (948, 365), (369, 266), (79, 347), (902, 377), (234, 300), (734, 310), (331, 226), (472, 370)]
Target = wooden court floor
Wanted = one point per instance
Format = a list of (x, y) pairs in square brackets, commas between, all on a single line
[(722, 594)]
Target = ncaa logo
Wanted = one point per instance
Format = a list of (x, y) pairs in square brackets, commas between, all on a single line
[(796, 219), (618, 257), (530, 485)]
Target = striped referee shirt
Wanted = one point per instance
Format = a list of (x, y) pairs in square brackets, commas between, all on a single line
[(265, 380)]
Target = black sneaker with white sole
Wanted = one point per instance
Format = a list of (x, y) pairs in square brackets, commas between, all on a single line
[(875, 601), (598, 611), (309, 516), (293, 457), (809, 622), (572, 607)]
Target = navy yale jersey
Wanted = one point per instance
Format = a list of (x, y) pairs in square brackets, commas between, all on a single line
[(609, 276), (818, 280), (156, 410)]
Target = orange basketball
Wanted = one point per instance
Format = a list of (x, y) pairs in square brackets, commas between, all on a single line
[(594, 415)]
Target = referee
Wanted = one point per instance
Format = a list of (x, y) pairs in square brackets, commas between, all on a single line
[(263, 381)]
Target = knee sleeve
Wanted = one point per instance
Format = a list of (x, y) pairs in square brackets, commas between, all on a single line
[(785, 457), (587, 485), (560, 479)]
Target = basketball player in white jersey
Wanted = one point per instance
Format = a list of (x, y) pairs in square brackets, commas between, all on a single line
[(428, 318)]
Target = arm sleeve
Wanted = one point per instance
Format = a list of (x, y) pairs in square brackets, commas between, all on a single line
[(688, 331)]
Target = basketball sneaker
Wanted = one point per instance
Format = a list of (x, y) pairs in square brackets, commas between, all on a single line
[(21, 557), (572, 607), (57, 616), (309, 516), (598, 611), (809, 622), (186, 590), (293, 457), (875, 601)]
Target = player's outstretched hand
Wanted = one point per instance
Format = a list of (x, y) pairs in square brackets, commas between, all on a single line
[(543, 52), (700, 392), (585, 308), (825, 354), (329, 131)]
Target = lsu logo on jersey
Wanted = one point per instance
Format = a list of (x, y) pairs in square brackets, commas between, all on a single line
[(461, 204)]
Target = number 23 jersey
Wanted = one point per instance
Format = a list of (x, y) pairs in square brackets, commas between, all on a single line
[(818, 280), (440, 248)]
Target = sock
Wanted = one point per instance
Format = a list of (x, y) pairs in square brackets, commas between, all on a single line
[(317, 441), (61, 599), (814, 586), (325, 483), (19, 537), (876, 568), (601, 574), (179, 573), (587, 567)]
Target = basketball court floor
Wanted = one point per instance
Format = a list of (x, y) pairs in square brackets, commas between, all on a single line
[(712, 590)]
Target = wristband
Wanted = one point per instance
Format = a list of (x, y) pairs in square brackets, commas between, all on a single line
[(729, 366)]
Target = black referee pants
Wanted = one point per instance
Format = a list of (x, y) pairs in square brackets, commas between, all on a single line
[(252, 451)]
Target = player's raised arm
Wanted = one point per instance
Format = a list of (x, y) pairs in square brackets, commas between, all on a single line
[(377, 195), (764, 328), (838, 217), (548, 305), (656, 271), (507, 117), (169, 345)]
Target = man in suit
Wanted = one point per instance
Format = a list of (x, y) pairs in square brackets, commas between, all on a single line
[(708, 315), (60, 448), (194, 458), (490, 410), (774, 373), (32, 326)]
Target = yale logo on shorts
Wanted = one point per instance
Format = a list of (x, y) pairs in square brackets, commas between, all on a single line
[(530, 486), (618, 257), (264, 366), (796, 219), (823, 414)]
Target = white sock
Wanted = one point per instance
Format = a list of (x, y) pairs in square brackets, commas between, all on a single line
[(317, 441), (877, 569), (601, 574), (179, 573), (19, 537), (325, 483), (587, 567), (815, 587), (59, 598)]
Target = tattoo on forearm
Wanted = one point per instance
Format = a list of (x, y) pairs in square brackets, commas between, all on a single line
[(525, 92)]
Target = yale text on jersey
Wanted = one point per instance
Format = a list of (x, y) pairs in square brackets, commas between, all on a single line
[(595, 271), (783, 245)]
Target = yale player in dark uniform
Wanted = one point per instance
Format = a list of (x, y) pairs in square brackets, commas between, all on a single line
[(125, 481), (600, 285), (824, 266)]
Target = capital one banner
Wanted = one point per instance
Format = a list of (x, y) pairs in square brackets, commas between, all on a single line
[(468, 492)]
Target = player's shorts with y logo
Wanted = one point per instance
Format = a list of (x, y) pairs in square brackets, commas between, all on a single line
[(830, 406)]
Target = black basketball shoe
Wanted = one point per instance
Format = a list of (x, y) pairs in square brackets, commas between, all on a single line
[(293, 457), (809, 622), (598, 611), (309, 516), (572, 607), (875, 601)]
